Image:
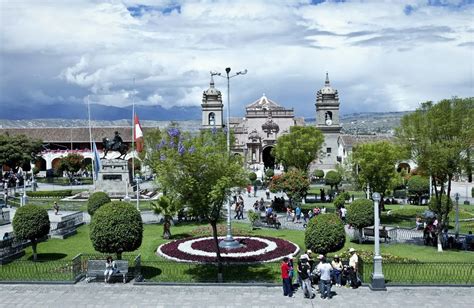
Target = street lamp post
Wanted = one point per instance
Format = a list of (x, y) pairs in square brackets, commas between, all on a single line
[(229, 242), (378, 280), (137, 180), (456, 197)]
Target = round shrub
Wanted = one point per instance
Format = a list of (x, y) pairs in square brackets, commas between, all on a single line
[(333, 179), (339, 201), (116, 227), (96, 200), (269, 173), (31, 223), (325, 233), (318, 173), (252, 176), (360, 214)]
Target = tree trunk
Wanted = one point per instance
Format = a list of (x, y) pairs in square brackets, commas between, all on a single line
[(33, 247), (218, 251), (167, 228), (360, 235), (119, 255)]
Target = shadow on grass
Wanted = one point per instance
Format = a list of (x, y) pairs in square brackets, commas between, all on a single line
[(149, 272), (185, 272), (180, 236), (50, 256)]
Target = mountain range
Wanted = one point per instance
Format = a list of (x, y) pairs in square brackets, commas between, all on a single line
[(98, 112)]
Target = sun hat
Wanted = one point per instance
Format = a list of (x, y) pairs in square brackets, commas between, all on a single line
[(320, 257), (305, 256), (352, 249), (336, 256)]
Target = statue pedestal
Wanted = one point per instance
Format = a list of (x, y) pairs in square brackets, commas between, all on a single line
[(113, 178)]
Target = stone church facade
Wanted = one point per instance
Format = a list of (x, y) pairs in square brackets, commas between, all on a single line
[(265, 120)]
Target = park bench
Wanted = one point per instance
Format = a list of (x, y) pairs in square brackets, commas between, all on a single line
[(270, 221), (383, 233), (311, 199), (96, 269)]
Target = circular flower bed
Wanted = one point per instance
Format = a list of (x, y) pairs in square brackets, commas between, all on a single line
[(253, 250)]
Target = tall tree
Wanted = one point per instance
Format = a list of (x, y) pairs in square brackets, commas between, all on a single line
[(294, 183), (15, 151), (375, 163), (439, 137), (198, 171), (71, 164), (298, 148)]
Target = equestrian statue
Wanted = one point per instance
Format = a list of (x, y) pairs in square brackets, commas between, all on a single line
[(115, 144)]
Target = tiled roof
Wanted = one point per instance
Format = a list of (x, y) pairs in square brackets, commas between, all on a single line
[(352, 140), (68, 134)]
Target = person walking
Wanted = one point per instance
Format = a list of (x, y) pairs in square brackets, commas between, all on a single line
[(324, 269), (56, 208), (285, 276), (343, 211), (298, 214), (241, 208)]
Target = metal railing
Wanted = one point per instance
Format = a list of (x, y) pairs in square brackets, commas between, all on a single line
[(430, 273), (162, 271)]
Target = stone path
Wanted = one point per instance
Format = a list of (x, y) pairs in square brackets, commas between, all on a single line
[(119, 295)]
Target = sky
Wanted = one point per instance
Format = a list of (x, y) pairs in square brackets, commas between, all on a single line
[(380, 55)]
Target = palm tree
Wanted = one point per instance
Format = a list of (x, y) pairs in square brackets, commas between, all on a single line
[(168, 207)]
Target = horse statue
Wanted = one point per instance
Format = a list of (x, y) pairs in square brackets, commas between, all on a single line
[(115, 145)]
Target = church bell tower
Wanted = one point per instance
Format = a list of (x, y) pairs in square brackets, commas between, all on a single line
[(212, 107), (327, 120)]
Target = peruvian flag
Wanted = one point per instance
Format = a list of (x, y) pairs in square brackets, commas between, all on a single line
[(138, 135)]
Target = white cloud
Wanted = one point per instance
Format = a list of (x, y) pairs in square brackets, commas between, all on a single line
[(379, 56)]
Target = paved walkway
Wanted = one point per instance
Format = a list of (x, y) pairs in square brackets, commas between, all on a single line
[(119, 295)]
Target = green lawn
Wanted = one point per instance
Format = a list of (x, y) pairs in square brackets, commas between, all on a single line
[(55, 257)]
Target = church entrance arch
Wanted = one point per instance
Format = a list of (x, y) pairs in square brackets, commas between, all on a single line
[(268, 158)]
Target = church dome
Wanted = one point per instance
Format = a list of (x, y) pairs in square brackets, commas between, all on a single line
[(269, 126), (212, 93), (327, 92)]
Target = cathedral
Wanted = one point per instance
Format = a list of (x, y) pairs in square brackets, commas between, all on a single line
[(265, 120)]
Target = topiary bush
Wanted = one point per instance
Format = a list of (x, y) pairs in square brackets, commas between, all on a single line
[(96, 200), (333, 179), (252, 176), (318, 173), (325, 233), (31, 223), (360, 214), (269, 173), (116, 227), (339, 201)]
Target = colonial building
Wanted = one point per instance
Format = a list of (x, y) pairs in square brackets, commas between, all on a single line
[(257, 132), (212, 107)]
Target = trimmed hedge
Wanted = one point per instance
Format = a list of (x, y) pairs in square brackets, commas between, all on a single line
[(252, 176), (116, 227), (400, 194), (50, 193), (360, 214), (325, 233), (96, 200)]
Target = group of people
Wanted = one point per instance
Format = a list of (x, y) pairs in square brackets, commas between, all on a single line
[(239, 207), (323, 274), (296, 214)]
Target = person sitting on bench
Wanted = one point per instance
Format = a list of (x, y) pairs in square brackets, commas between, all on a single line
[(110, 268)]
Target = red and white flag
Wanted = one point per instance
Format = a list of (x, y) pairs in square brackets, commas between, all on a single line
[(138, 135)]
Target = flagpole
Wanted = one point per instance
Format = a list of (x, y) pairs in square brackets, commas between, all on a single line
[(133, 145), (90, 139)]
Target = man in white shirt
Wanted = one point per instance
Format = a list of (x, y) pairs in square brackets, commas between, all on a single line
[(324, 269), (353, 265), (343, 214)]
